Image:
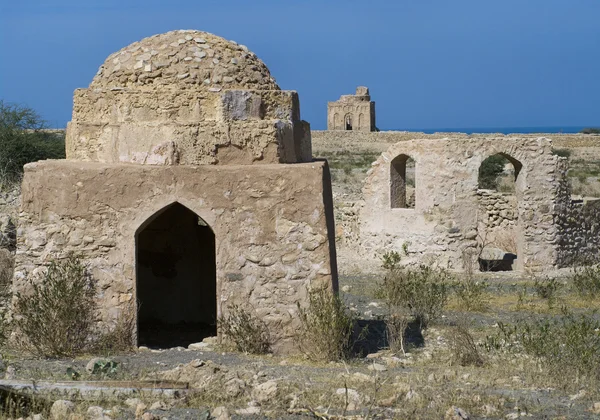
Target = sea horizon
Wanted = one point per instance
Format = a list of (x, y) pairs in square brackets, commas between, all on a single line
[(500, 130)]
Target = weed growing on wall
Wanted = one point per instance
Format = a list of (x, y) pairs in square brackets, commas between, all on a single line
[(57, 317), (243, 331)]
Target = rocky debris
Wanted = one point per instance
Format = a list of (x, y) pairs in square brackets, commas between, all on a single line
[(61, 409), (220, 413), (265, 391), (207, 375), (376, 367), (456, 413), (351, 397), (97, 413)]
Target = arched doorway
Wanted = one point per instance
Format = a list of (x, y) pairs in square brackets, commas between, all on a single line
[(348, 122), (499, 193), (175, 279)]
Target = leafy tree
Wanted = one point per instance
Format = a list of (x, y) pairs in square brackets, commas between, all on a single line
[(23, 139), (489, 171)]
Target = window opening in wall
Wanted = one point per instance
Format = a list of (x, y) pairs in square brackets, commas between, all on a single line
[(348, 122), (403, 183), (498, 213), (176, 279)]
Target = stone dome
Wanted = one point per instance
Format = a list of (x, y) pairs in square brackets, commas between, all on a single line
[(185, 59)]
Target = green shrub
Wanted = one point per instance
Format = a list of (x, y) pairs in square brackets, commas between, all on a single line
[(565, 345), (465, 351), (586, 280), (546, 288), (120, 338), (490, 169), (566, 153), (6, 270), (423, 291), (471, 293), (590, 130), (57, 317), (244, 331), (327, 327)]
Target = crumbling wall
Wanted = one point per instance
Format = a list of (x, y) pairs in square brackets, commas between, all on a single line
[(498, 220), (187, 127), (268, 253), (578, 222), (445, 221)]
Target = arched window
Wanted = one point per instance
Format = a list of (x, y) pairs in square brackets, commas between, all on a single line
[(403, 182), (348, 122)]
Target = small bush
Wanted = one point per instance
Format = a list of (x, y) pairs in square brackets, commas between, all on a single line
[(590, 130), (489, 171), (423, 291), (566, 153), (396, 324), (546, 288), (244, 331), (464, 349), (586, 280), (565, 345), (327, 327), (120, 337), (472, 294), (58, 317), (6, 270)]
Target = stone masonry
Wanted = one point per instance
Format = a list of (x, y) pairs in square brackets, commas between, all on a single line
[(352, 112), (185, 127), (447, 219)]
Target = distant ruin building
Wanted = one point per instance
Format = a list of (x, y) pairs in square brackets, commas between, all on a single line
[(352, 112), (189, 187)]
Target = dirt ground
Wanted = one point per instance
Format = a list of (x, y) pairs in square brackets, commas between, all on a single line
[(423, 383)]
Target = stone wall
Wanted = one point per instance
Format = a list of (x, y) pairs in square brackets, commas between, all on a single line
[(579, 225), (498, 219), (445, 221), (187, 127), (380, 141), (273, 227)]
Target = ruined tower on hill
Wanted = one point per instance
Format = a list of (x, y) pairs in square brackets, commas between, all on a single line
[(352, 112)]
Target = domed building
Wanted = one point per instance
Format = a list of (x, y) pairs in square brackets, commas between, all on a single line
[(189, 188), (186, 97)]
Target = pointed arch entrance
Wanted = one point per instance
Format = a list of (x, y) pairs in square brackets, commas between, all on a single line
[(175, 279)]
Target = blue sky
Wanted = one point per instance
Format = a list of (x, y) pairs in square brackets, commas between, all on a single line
[(428, 63)]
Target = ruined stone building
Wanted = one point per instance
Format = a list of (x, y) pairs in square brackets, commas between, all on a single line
[(189, 186), (453, 220), (352, 112)]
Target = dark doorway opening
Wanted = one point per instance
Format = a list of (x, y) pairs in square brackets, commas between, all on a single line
[(348, 123), (176, 279)]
